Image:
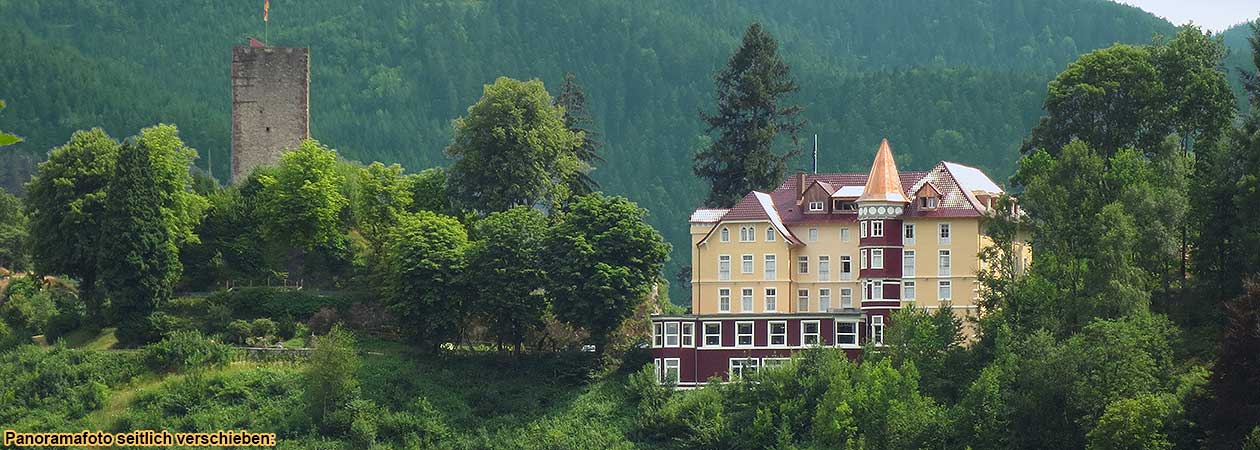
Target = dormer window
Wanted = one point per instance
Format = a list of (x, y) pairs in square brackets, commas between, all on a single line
[(841, 205), (927, 202), (815, 206)]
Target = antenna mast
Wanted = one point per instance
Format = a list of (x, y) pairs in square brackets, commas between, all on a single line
[(815, 153)]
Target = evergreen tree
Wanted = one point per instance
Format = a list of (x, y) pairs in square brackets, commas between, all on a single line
[(1237, 373), (139, 262), (578, 119), (753, 110)]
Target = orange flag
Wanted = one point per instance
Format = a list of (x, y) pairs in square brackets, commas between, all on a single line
[(266, 8)]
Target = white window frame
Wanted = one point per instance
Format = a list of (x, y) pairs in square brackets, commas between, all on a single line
[(824, 299), (805, 335), (782, 336), (928, 202), (877, 228), (724, 300), (726, 234), (864, 229), (944, 263), (746, 263), (865, 260), (770, 265), (770, 234), (943, 233), (841, 337), (877, 258), (751, 333), (743, 364), (672, 337), (846, 267), (747, 234), (877, 289), (907, 234), (670, 365), (816, 206), (658, 334), (688, 334), (907, 263), (802, 300), (824, 268), (846, 298), (716, 334), (812, 234), (877, 330), (771, 298), (802, 264), (746, 300), (844, 234), (724, 267), (944, 290), (908, 290)]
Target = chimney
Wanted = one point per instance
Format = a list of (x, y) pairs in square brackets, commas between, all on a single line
[(800, 185)]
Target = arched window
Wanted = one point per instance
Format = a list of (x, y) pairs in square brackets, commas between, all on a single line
[(726, 234), (769, 234)]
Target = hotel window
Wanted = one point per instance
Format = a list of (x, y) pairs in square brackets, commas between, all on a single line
[(824, 268), (671, 334), (877, 290), (669, 371), (944, 269), (724, 300), (927, 202), (741, 367), (813, 235), (802, 300), (658, 334), (877, 330), (815, 206), (746, 265), (863, 225), (745, 301), (907, 235), (778, 332), (713, 334), (809, 332), (726, 234), (746, 234), (770, 234), (846, 298), (907, 263), (945, 290), (865, 260), (688, 334), (802, 264), (877, 228), (846, 268), (772, 299), (844, 234), (824, 299), (944, 233), (724, 267), (771, 268), (877, 258), (743, 334), (907, 290), (847, 334)]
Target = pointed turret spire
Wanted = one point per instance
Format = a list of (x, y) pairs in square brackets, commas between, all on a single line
[(884, 183)]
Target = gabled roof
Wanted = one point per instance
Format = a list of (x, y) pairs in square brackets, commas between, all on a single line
[(757, 206), (884, 183), (848, 192), (707, 215)]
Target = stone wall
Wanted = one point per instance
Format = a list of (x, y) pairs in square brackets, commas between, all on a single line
[(270, 104)]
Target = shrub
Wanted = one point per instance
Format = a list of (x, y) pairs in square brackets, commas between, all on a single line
[(207, 314), (30, 309), (184, 350), (251, 303), (331, 380), (238, 331), (322, 322), (262, 328), (286, 328)]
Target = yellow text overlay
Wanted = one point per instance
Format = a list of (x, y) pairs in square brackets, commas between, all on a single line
[(139, 438)]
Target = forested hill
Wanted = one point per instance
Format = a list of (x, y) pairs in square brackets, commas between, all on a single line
[(960, 80)]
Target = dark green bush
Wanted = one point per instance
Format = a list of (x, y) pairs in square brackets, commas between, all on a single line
[(184, 350), (261, 328), (238, 331), (208, 315), (52, 389), (251, 303)]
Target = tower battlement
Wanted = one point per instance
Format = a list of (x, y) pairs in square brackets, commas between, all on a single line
[(270, 104)]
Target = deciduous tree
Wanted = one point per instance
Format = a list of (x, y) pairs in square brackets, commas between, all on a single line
[(300, 202), (423, 287), (506, 274)]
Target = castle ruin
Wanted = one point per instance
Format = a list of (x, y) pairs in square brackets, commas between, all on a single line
[(270, 104)]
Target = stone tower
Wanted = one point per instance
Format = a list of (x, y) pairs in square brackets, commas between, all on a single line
[(270, 104)]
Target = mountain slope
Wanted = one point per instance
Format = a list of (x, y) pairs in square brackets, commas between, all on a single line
[(942, 80)]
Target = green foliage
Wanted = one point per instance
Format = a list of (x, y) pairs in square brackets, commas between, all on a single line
[(262, 302), (577, 118), (1133, 424), (14, 254), (602, 260), (26, 306), (257, 398), (66, 204), (933, 343), (1237, 405), (300, 202), (139, 263), (384, 195), (7, 138), (752, 111), (186, 350), (54, 389), (423, 288), (428, 191), (512, 149), (330, 380), (228, 247), (505, 272)]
